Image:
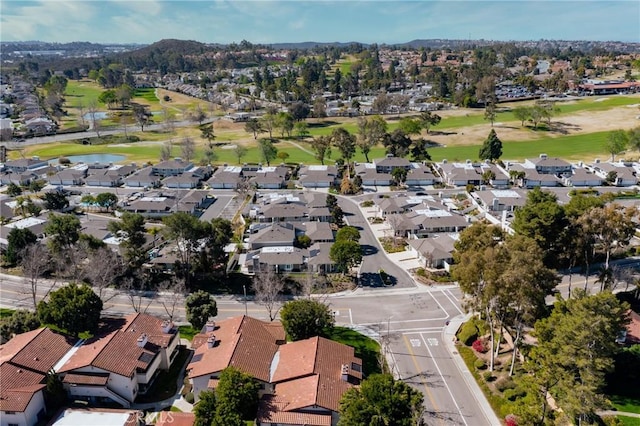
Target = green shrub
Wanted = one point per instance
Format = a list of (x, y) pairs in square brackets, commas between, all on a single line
[(468, 333), (421, 272), (367, 203), (189, 398), (513, 394), (505, 383), (479, 364), (488, 376)]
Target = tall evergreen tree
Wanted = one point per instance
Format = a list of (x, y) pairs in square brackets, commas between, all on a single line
[(491, 148)]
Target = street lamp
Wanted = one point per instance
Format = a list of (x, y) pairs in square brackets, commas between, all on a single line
[(244, 288)]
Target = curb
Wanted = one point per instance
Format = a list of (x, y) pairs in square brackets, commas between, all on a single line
[(449, 338)]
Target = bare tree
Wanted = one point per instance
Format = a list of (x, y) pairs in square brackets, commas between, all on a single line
[(102, 266), (394, 221), (94, 118), (268, 287), (80, 108), (187, 148), (171, 296), (165, 151), (167, 120), (35, 262), (132, 288)]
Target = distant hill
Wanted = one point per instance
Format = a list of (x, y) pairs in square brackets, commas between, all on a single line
[(312, 44), (170, 45)]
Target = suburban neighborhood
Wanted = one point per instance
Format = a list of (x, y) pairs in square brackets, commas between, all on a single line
[(435, 232)]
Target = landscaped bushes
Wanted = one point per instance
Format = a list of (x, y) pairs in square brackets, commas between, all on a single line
[(479, 345), (504, 383), (468, 333), (480, 364)]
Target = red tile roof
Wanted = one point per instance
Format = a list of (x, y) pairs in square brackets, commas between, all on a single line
[(242, 342), (633, 328), (309, 372), (118, 351), (17, 387), (37, 350), (24, 363), (86, 379), (273, 410)]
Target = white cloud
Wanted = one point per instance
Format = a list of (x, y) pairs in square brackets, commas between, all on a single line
[(146, 7), (47, 20)]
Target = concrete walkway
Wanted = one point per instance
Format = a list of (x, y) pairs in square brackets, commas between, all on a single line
[(618, 413), (449, 338)]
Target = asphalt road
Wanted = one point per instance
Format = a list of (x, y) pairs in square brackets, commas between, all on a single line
[(91, 133), (374, 257)]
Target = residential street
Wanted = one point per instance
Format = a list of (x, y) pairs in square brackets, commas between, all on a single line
[(374, 256)]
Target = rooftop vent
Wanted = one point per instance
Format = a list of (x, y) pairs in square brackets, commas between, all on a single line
[(210, 326), (211, 341), (344, 374), (142, 340), (166, 326)]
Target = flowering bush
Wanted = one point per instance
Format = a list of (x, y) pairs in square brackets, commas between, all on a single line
[(479, 346), (510, 420)]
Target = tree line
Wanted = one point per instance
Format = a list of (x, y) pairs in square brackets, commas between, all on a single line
[(506, 279)]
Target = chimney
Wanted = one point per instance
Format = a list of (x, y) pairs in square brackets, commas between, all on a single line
[(35, 157), (210, 326), (597, 161), (142, 340), (344, 374), (211, 341), (167, 326), (495, 203), (543, 156)]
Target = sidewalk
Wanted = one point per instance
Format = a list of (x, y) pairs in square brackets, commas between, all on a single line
[(449, 337)]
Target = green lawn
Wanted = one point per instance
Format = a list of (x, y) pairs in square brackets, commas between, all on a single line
[(626, 404), (629, 421), (187, 332), (366, 348), (82, 92), (584, 146), (5, 313), (573, 147), (148, 94)]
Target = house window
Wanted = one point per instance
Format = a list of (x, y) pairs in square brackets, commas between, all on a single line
[(288, 267), (9, 412), (356, 367)]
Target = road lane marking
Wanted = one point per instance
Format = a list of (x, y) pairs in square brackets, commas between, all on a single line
[(350, 316), (455, 305), (444, 381), (403, 321), (415, 343), (452, 295), (441, 307), (418, 371), (432, 341)]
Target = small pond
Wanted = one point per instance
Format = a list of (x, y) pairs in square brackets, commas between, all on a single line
[(92, 158), (99, 115)]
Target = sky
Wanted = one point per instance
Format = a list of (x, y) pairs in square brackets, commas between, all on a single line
[(266, 22)]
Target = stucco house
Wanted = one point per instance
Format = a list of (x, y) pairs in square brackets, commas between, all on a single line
[(301, 383), (25, 361), (122, 363)]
